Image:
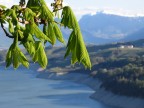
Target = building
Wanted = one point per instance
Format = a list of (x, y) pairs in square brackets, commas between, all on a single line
[(126, 46)]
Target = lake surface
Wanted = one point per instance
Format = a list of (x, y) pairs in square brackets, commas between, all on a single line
[(21, 89)]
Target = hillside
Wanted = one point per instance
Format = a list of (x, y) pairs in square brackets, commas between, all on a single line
[(120, 69), (134, 36)]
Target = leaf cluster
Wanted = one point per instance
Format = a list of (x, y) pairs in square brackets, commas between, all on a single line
[(23, 26)]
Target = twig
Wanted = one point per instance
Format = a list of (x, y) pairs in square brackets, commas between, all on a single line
[(57, 9), (59, 23), (7, 34)]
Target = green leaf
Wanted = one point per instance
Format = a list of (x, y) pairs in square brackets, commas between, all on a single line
[(14, 17), (8, 12), (11, 27), (15, 42), (15, 59), (46, 14), (23, 60), (37, 32), (40, 55), (12, 14), (29, 15), (45, 31), (16, 7), (36, 55), (30, 38), (20, 34), (70, 45), (9, 57), (2, 7), (29, 46), (51, 33), (22, 28), (75, 44), (34, 5), (32, 48), (69, 19), (58, 33), (77, 47), (40, 6)]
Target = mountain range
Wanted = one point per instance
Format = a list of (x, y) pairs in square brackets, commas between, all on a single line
[(139, 34), (101, 28), (105, 28)]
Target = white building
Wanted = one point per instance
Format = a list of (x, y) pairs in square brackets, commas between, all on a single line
[(126, 46)]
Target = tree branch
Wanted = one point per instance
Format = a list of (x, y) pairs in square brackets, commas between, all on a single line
[(7, 34), (59, 23), (22, 3), (57, 9)]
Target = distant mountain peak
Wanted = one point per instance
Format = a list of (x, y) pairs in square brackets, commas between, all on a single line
[(103, 27), (110, 12), (115, 14)]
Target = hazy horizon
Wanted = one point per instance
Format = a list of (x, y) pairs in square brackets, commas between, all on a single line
[(119, 7)]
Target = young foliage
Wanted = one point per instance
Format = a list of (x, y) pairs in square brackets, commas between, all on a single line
[(29, 34), (51, 33), (15, 56), (2, 6), (40, 55), (69, 19), (58, 33), (75, 44)]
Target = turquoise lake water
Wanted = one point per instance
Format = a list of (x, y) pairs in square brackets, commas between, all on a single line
[(21, 89)]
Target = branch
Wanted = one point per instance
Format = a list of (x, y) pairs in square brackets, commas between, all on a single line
[(22, 3), (57, 9), (59, 23), (7, 34)]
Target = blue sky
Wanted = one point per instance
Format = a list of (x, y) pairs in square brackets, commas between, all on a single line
[(81, 7)]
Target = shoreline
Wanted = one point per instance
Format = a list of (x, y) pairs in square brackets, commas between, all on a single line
[(100, 94)]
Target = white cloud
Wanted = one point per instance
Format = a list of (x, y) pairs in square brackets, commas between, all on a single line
[(91, 10), (123, 12), (79, 12), (8, 3)]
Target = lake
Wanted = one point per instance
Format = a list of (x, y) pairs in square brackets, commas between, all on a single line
[(21, 89)]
